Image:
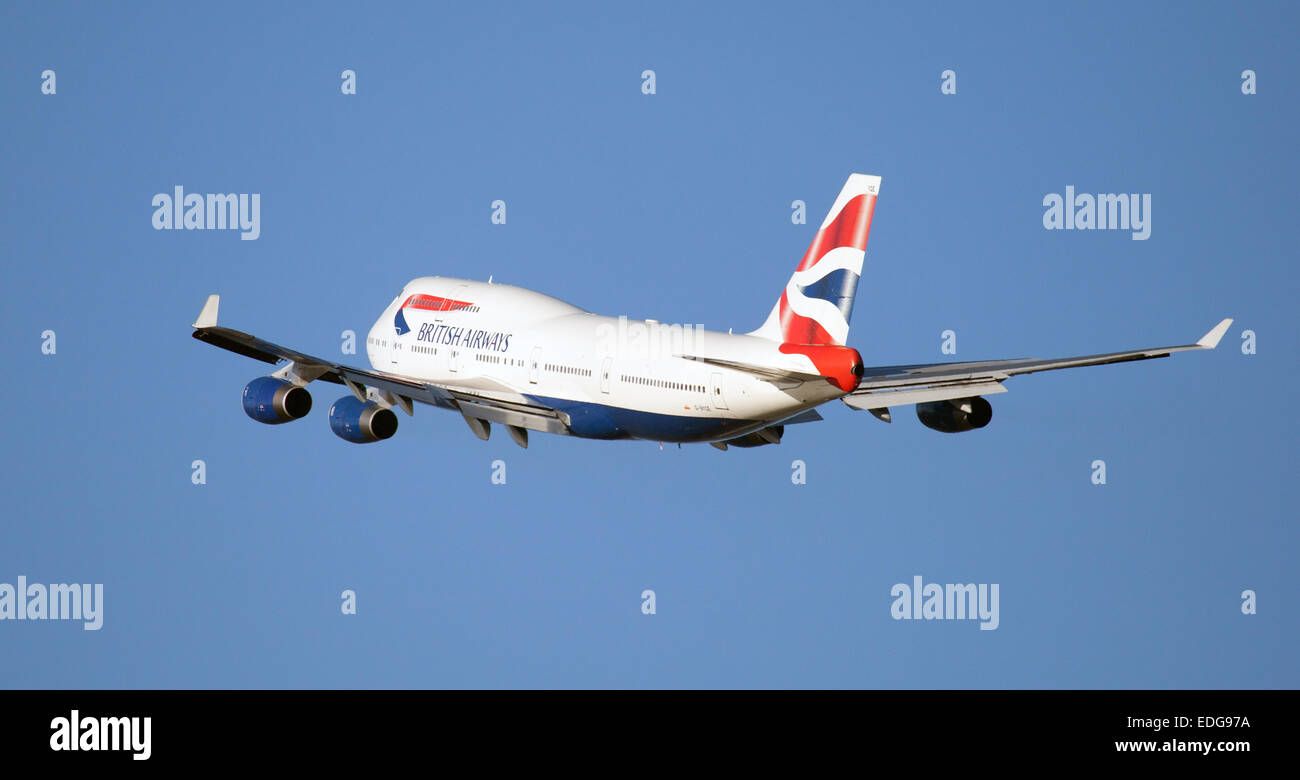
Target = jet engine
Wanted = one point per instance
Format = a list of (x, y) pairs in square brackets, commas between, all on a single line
[(955, 415), (361, 422), (274, 401)]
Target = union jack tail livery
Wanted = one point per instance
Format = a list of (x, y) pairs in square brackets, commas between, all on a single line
[(818, 300)]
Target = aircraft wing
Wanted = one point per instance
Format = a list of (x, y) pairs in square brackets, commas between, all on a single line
[(478, 399), (885, 386)]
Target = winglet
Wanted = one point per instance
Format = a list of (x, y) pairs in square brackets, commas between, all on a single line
[(208, 317), (1211, 340)]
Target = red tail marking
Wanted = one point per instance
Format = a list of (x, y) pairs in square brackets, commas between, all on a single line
[(842, 366)]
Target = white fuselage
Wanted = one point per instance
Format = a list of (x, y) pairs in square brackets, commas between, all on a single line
[(613, 377)]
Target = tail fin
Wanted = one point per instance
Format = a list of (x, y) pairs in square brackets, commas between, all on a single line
[(818, 300)]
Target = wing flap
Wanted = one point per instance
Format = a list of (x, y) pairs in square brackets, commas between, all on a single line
[(886, 398), (532, 418)]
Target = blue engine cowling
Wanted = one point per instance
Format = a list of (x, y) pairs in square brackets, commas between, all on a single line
[(274, 401), (361, 423)]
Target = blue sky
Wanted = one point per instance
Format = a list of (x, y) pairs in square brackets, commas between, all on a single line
[(676, 206)]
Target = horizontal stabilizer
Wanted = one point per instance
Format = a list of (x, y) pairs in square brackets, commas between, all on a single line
[(768, 373)]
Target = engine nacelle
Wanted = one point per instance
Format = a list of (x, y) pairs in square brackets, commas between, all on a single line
[(361, 422), (955, 415), (274, 401), (769, 435)]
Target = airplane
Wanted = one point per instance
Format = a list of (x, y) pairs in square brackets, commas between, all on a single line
[(526, 361)]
